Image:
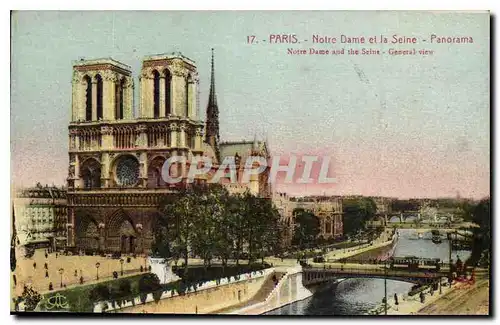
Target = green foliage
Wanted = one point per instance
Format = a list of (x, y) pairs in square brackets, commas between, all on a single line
[(100, 292), (31, 298), (481, 245), (356, 212), (198, 275), (208, 222), (306, 228), (82, 298), (149, 282), (405, 205)]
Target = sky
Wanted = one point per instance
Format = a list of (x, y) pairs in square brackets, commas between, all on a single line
[(399, 126)]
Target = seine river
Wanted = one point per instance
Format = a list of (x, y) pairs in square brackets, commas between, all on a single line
[(358, 296)]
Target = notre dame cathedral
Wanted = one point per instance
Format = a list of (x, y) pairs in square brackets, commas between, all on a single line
[(116, 158)]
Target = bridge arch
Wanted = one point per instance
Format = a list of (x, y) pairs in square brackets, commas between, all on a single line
[(318, 276)]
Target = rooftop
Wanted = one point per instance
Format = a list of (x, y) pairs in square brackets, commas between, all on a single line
[(165, 56), (83, 62)]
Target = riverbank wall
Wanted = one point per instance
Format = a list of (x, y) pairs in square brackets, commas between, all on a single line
[(209, 297), (357, 250), (289, 289)]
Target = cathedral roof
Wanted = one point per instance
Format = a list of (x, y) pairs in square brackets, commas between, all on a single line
[(243, 149)]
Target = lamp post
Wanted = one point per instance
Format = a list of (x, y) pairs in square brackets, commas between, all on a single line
[(450, 242), (121, 262), (97, 269), (61, 271), (385, 287)]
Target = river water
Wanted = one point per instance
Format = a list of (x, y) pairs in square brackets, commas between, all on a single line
[(358, 296)]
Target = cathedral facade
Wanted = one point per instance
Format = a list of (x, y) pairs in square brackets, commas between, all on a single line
[(114, 178), (115, 182)]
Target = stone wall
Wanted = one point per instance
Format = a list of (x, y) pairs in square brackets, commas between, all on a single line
[(202, 301), (209, 297), (290, 289)]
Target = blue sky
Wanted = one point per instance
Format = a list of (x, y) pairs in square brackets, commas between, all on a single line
[(394, 125)]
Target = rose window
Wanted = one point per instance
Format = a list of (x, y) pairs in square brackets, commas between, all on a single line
[(127, 171)]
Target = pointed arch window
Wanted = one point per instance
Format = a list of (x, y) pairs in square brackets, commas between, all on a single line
[(156, 94), (88, 98), (99, 96), (120, 92), (168, 80), (186, 108)]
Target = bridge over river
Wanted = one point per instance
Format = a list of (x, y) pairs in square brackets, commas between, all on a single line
[(361, 292), (328, 272)]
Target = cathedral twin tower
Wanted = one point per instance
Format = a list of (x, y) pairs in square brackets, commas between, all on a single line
[(115, 178), (103, 125), (103, 89), (115, 182)]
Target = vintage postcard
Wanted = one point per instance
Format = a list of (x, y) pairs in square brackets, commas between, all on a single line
[(250, 162)]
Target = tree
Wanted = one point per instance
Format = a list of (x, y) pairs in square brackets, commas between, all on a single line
[(208, 222), (306, 228), (481, 245), (356, 212), (210, 216), (149, 283), (180, 214), (31, 298)]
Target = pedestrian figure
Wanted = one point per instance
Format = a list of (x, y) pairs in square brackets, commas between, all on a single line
[(46, 266), (76, 273), (51, 287), (46, 274), (81, 280), (396, 299), (422, 297), (34, 265), (46, 255)]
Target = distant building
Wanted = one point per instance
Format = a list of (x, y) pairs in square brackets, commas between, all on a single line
[(384, 204), (327, 209), (41, 214)]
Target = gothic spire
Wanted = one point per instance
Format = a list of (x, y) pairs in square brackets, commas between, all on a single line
[(212, 124), (212, 99)]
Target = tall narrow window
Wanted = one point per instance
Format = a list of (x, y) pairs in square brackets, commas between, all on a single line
[(122, 98), (156, 94), (88, 99), (99, 96), (168, 80), (120, 91), (188, 81)]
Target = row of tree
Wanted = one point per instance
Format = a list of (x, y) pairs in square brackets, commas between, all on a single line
[(480, 214), (207, 222)]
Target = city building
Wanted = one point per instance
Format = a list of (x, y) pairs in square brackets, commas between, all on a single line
[(40, 217), (327, 209)]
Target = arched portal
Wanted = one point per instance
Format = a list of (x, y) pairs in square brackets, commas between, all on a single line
[(122, 235), (88, 234)]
